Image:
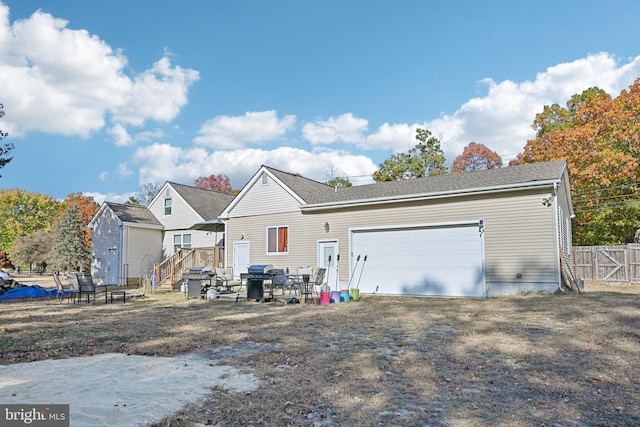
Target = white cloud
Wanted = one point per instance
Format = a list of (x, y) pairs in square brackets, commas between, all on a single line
[(124, 171), (344, 128), (396, 137), (233, 132), (99, 198), (120, 135), (102, 176), (66, 81), (163, 162), (502, 119), (156, 94)]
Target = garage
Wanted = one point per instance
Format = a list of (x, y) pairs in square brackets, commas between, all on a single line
[(436, 260)]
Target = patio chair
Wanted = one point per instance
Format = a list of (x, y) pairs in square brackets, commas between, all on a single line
[(225, 276), (318, 278), (74, 284), (86, 287), (279, 278), (65, 289)]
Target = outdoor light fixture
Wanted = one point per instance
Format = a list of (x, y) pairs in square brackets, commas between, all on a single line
[(546, 201), (326, 227), (241, 236)]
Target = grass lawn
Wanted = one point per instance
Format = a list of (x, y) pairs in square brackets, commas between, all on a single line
[(381, 361)]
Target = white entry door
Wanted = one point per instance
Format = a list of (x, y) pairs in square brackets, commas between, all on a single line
[(241, 258), (111, 276), (326, 249)]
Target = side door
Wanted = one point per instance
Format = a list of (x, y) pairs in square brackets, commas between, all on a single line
[(241, 258), (113, 267), (326, 249)]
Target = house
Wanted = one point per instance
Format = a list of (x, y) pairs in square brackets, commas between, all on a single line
[(179, 207), (479, 234), (128, 240)]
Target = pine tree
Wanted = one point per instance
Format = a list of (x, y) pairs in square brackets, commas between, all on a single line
[(70, 250)]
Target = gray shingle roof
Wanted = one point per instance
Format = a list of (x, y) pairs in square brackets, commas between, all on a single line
[(313, 192), (309, 190), (133, 214), (208, 204)]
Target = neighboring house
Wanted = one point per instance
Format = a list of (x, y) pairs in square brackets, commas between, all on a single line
[(178, 207), (485, 233), (128, 240)]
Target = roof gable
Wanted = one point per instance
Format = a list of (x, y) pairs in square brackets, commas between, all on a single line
[(208, 204), (131, 214)]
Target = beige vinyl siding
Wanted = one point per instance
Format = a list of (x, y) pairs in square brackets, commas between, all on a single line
[(143, 246), (519, 232), (254, 228), (263, 199)]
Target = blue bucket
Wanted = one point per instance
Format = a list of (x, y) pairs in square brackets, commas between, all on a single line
[(344, 295)]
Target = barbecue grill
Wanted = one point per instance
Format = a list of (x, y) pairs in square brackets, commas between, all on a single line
[(255, 277), (193, 279)]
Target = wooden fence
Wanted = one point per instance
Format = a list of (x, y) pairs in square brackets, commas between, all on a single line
[(611, 264)]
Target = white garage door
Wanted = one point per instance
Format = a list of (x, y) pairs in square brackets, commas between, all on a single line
[(443, 261)]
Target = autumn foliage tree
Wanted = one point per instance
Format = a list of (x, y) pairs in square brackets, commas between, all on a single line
[(599, 136), (476, 157), (219, 183), (87, 207)]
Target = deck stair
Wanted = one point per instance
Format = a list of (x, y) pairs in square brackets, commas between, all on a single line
[(169, 272)]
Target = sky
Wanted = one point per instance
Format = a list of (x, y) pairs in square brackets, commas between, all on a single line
[(103, 97)]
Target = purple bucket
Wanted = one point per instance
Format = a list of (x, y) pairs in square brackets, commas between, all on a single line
[(335, 296)]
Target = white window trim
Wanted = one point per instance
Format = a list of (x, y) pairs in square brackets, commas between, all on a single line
[(267, 239)]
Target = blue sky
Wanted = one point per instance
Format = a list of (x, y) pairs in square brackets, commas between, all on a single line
[(104, 96)]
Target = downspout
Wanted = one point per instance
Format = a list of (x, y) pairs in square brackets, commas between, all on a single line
[(557, 235)]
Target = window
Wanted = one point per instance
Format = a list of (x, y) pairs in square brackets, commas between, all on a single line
[(277, 240), (167, 207), (181, 241)]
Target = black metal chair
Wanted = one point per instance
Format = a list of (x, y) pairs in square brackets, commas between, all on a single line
[(86, 287)]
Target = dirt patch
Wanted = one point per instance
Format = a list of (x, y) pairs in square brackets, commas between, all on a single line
[(530, 360)]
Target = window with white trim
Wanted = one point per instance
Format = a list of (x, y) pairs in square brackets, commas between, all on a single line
[(167, 207), (277, 240), (181, 241)]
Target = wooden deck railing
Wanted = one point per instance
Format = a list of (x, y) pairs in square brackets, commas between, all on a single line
[(169, 272)]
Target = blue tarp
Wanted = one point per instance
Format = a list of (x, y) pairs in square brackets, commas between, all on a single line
[(28, 292)]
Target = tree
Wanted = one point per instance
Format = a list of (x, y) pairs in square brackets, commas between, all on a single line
[(132, 201), (339, 182), (70, 250), (600, 138), (147, 192), (87, 207), (219, 183), (33, 248), (476, 157), (425, 159), (23, 213), (5, 262), (7, 147)]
